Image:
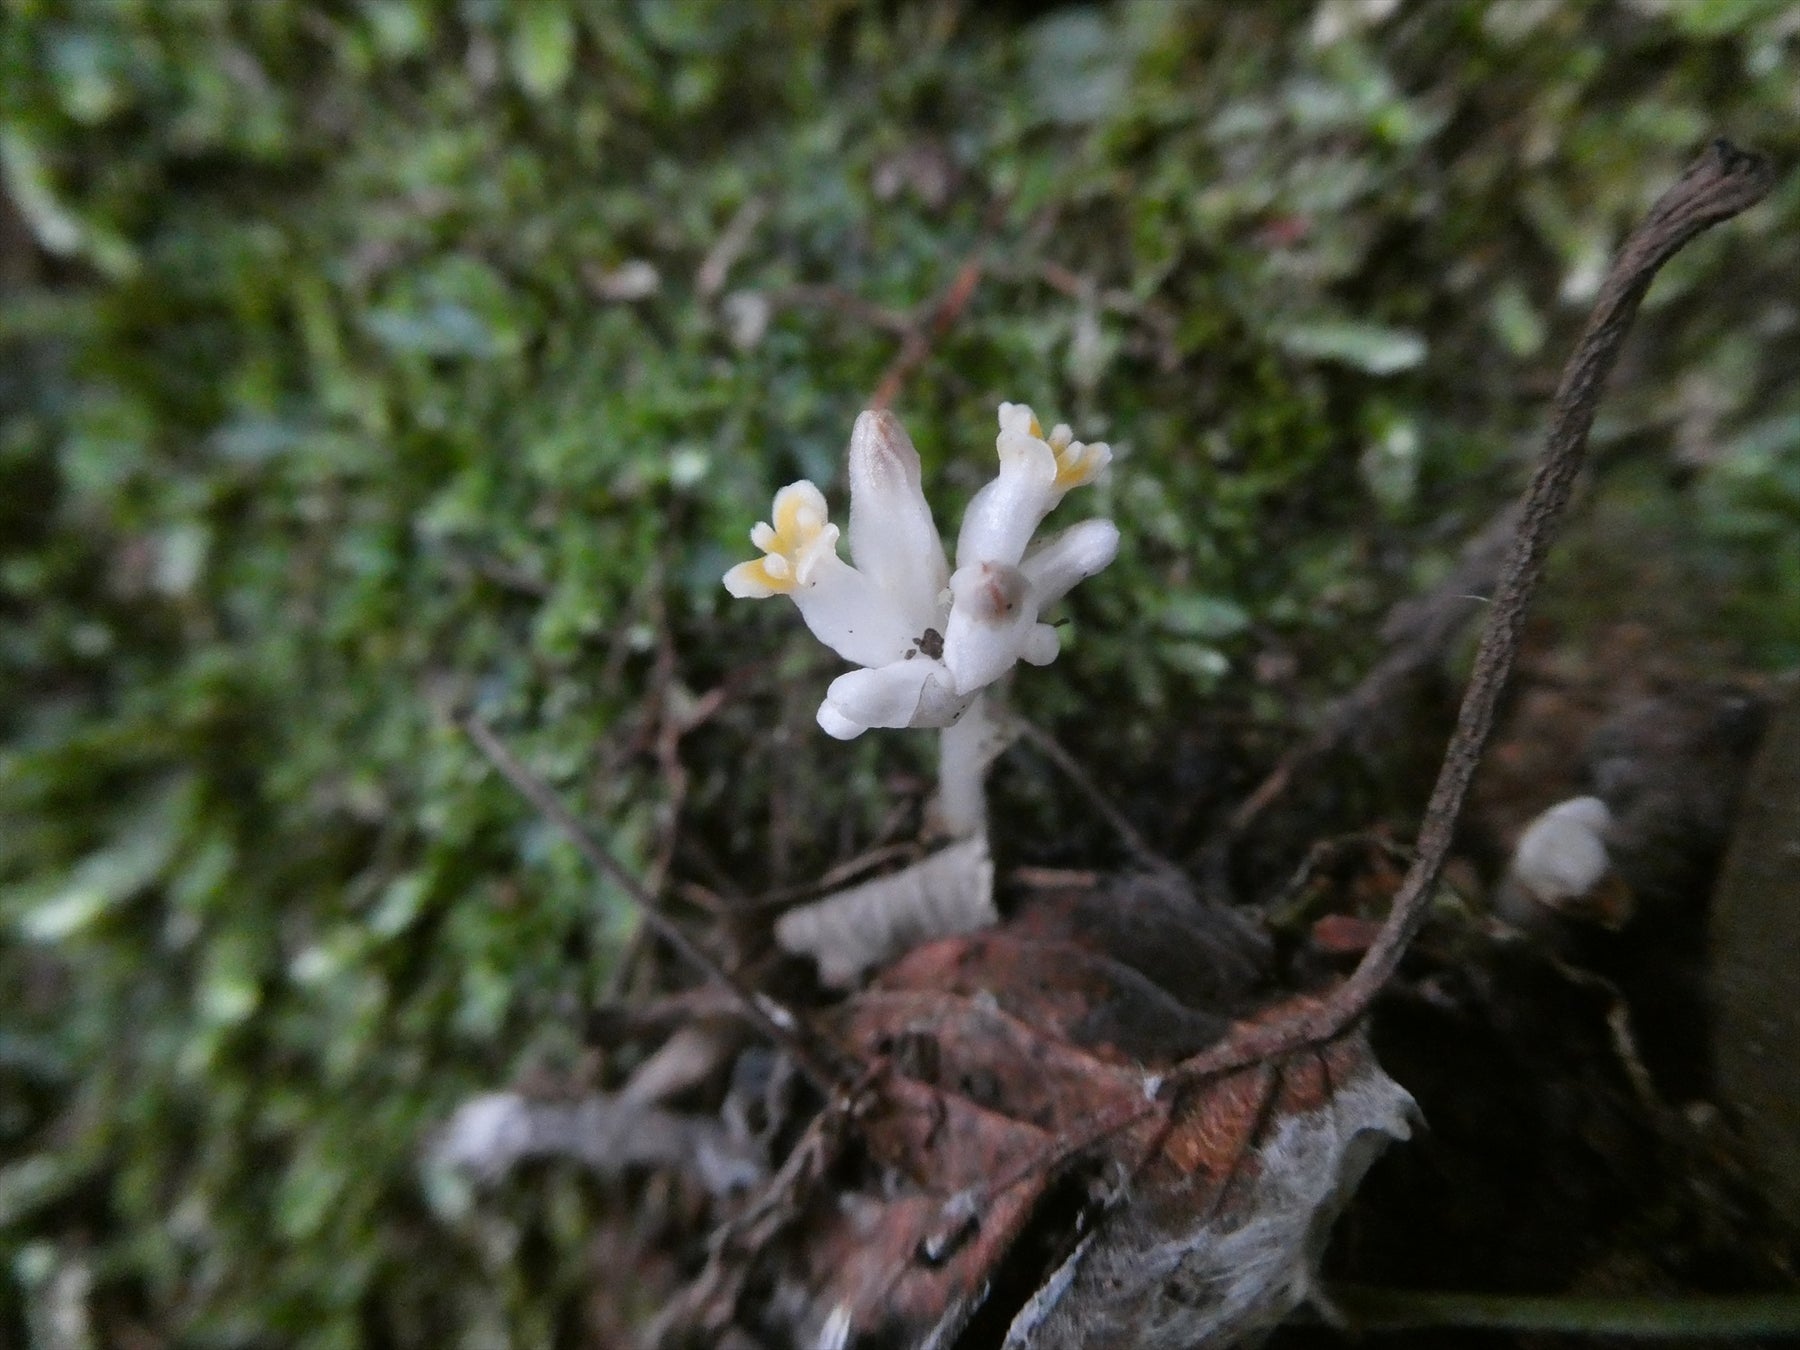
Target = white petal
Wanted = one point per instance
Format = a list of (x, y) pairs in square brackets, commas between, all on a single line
[(887, 696), (850, 614), (835, 724), (750, 581), (1562, 854), (978, 654), (991, 618), (1041, 646), (892, 537), (1018, 417), (1073, 556), (915, 693), (1003, 515)]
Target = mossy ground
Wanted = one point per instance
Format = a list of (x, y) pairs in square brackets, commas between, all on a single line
[(361, 362)]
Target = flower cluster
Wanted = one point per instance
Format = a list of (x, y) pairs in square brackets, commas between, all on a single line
[(928, 639)]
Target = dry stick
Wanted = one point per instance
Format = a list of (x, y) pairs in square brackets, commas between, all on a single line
[(822, 1065), (1720, 184), (1070, 767)]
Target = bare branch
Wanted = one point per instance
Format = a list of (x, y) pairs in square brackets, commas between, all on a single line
[(1070, 767), (1723, 182), (821, 1064)]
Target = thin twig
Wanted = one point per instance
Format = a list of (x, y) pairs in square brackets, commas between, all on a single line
[(822, 1065), (836, 878), (1720, 184), (1070, 767)]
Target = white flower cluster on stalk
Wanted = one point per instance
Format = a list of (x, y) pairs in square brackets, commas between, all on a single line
[(928, 639), (928, 643)]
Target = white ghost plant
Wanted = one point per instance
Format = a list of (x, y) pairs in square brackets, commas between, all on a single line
[(928, 640)]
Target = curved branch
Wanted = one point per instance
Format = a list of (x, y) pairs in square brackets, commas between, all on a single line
[(1723, 182)]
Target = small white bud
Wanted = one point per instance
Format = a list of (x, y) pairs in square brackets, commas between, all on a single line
[(1560, 866)]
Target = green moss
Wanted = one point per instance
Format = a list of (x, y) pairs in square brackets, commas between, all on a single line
[(355, 365)]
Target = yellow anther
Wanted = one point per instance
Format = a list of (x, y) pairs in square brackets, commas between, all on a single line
[(1076, 463), (800, 533)]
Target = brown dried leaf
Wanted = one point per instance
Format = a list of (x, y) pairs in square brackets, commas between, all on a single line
[(1024, 1087), (1221, 1236)]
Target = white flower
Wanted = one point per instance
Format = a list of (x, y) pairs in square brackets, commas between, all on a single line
[(845, 609), (892, 536), (1561, 868), (1034, 475), (1562, 854), (928, 641)]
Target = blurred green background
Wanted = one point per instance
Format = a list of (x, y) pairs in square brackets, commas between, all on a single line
[(364, 362)]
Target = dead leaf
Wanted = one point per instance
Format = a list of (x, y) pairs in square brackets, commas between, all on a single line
[(1022, 1164), (1221, 1234)]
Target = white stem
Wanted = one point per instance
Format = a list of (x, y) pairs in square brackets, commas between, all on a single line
[(964, 753)]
